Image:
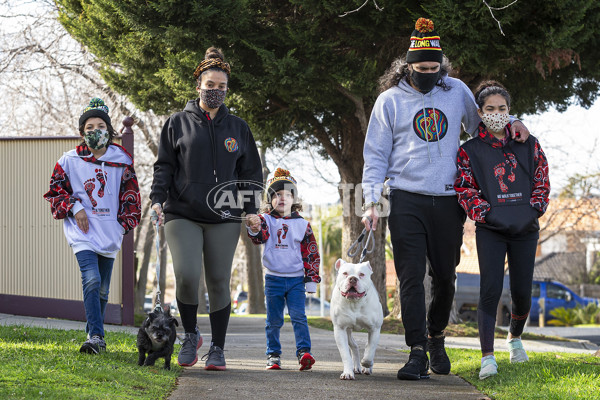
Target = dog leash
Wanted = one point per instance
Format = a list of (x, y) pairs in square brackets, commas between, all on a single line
[(154, 219), (369, 245)]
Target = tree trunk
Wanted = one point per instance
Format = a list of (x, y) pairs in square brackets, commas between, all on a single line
[(256, 291)]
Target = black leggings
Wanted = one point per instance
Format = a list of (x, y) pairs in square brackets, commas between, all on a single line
[(425, 226), (492, 249)]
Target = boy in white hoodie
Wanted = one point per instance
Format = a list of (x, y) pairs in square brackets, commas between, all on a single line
[(95, 191), (291, 258)]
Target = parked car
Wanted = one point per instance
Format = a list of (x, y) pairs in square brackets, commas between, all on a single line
[(238, 299), (467, 298), (555, 295), (148, 303)]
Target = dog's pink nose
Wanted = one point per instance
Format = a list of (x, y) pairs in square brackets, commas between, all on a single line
[(353, 280)]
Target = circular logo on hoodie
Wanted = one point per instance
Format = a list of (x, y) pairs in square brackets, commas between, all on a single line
[(231, 144), (431, 126)]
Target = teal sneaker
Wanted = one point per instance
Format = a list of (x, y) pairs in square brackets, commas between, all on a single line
[(489, 367), (517, 353)]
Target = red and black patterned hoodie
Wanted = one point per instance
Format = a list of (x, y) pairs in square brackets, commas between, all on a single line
[(290, 247), (106, 188), (503, 185)]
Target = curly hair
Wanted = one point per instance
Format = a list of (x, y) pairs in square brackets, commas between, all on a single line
[(398, 70)]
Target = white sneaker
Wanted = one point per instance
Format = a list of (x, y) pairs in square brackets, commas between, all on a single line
[(489, 367), (517, 353)]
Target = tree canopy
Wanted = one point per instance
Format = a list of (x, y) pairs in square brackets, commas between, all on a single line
[(298, 65)]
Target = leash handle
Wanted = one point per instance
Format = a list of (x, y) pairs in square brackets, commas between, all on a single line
[(369, 245)]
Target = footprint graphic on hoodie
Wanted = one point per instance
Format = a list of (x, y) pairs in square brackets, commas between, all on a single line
[(89, 187), (279, 236), (285, 231), (100, 177)]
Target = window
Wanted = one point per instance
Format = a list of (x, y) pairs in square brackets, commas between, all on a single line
[(555, 292), (535, 290)]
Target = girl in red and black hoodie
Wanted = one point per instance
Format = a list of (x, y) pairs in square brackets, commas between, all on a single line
[(94, 190), (503, 186)]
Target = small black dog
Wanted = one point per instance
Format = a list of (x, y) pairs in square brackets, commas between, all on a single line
[(157, 337)]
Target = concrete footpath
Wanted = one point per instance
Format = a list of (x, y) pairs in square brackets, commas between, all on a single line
[(246, 376)]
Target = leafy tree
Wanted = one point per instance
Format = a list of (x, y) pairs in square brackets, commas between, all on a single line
[(303, 75)]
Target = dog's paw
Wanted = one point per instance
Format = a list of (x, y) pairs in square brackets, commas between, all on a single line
[(357, 370), (367, 371), (347, 376)]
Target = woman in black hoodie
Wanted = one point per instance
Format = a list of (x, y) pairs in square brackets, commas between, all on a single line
[(206, 157)]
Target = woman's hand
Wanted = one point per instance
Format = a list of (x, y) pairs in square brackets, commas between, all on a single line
[(82, 221), (253, 222), (519, 132), (371, 223), (157, 209)]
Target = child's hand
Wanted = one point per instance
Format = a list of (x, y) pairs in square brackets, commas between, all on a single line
[(253, 222), (82, 221)]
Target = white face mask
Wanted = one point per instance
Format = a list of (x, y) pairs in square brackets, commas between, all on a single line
[(495, 122)]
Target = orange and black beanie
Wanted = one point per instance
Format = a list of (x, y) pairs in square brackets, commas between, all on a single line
[(424, 43), (281, 180)]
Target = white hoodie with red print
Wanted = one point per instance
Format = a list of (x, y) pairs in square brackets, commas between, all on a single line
[(106, 188)]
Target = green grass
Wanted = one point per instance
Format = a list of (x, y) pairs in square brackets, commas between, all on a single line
[(546, 376), (46, 363)]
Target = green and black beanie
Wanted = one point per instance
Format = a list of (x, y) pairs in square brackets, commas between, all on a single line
[(96, 108), (424, 43)]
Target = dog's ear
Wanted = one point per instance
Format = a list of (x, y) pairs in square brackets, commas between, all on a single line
[(339, 263), (368, 264), (173, 321)]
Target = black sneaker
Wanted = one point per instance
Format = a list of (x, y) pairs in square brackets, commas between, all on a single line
[(440, 363), (93, 345), (273, 361), (417, 366)]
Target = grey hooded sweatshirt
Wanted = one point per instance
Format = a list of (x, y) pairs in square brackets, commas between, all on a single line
[(413, 139)]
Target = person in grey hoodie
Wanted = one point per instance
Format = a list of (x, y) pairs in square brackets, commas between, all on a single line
[(206, 157), (412, 139)]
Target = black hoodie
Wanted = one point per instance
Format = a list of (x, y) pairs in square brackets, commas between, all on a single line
[(197, 159)]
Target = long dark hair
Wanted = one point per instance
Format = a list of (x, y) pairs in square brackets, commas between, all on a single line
[(399, 70)]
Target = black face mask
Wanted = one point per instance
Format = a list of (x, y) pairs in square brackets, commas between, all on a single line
[(425, 82)]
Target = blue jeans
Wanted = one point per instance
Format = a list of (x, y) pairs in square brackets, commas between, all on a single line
[(95, 279), (280, 291)]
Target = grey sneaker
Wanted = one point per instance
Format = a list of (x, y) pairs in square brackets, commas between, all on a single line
[(93, 345), (188, 354), (215, 359), (273, 361)]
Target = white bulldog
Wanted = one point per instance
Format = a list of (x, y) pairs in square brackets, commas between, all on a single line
[(355, 305)]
